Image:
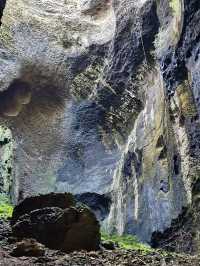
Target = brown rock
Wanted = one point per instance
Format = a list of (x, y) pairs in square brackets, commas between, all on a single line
[(28, 247), (60, 200), (74, 228)]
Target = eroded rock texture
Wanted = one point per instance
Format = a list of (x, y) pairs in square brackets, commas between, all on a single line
[(102, 97)]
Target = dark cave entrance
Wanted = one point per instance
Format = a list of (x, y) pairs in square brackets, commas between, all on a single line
[(99, 204)]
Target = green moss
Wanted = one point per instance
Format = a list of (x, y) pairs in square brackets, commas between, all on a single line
[(175, 5), (6, 208), (129, 242)]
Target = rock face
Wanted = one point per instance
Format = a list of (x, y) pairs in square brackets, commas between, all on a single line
[(103, 97), (63, 228)]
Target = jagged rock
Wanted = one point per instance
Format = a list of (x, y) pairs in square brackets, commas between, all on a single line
[(28, 248), (69, 229)]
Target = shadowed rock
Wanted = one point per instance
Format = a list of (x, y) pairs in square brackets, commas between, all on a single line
[(28, 247), (69, 229), (99, 204), (60, 200)]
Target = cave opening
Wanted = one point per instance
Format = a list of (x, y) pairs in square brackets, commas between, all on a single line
[(99, 204)]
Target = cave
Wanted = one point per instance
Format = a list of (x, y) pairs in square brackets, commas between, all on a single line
[(99, 102)]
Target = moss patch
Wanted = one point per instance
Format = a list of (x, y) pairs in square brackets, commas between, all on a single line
[(175, 5), (6, 209), (128, 242)]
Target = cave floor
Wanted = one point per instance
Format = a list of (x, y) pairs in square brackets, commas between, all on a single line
[(115, 257)]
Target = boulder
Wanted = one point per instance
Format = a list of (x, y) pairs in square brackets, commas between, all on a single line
[(69, 229), (60, 200), (29, 248)]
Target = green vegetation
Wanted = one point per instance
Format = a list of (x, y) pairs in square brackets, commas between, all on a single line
[(175, 5), (6, 207), (127, 242)]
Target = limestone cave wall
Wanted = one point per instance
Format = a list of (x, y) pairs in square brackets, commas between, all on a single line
[(102, 98)]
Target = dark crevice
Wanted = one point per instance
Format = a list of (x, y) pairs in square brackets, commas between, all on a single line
[(2, 6), (176, 161), (5, 141), (160, 142), (99, 204), (163, 153), (132, 159)]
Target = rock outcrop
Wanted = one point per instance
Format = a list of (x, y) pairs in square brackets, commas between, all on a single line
[(102, 97)]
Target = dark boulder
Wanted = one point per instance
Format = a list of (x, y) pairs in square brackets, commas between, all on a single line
[(69, 229), (60, 200)]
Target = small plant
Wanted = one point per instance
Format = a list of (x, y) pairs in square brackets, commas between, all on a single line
[(129, 242), (6, 207)]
